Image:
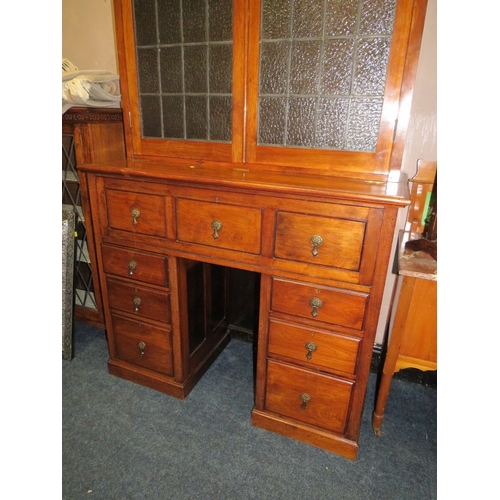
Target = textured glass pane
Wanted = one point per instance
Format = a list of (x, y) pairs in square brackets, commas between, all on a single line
[(194, 21), (341, 17), (272, 119), (151, 116), (195, 69), (221, 63), (145, 22), (148, 70), (344, 59), (220, 118), (184, 47), (196, 117), (307, 19), (371, 66), (169, 21), (377, 17), (332, 122), (364, 121), (274, 67), (171, 70), (304, 68), (300, 126), (337, 66), (276, 18), (173, 117), (220, 15)]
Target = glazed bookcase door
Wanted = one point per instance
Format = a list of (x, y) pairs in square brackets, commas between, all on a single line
[(317, 84), (182, 77), (325, 82)]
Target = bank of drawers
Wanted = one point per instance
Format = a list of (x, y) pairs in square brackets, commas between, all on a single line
[(323, 240), (312, 361), (314, 331), (139, 301)]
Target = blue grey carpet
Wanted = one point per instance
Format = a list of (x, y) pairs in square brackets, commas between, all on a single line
[(122, 441)]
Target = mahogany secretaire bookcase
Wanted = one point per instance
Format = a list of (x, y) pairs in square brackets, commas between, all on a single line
[(266, 136)]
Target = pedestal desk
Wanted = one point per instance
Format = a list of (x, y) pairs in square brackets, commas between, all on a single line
[(321, 247)]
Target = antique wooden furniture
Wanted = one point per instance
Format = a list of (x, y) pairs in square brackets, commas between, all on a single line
[(268, 139), (413, 339), (88, 135)]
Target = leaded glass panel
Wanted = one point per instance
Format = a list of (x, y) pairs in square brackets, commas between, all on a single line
[(322, 72), (184, 61)]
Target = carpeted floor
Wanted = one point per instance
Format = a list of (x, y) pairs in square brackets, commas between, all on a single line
[(122, 441)]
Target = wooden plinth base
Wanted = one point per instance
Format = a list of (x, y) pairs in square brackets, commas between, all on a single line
[(315, 437)]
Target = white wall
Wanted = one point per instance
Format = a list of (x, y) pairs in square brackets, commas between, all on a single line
[(88, 34), (421, 139), (88, 42)]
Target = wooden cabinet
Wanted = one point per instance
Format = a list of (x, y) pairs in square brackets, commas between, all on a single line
[(88, 136), (288, 178)]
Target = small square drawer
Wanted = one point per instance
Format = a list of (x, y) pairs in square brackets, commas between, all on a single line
[(307, 396), (128, 263), (322, 241), (138, 300), (136, 212), (319, 303), (313, 347), (231, 227), (143, 344)]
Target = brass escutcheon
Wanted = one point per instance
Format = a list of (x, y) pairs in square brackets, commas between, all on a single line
[(132, 264), (216, 226), (316, 241), (135, 213), (311, 347), (137, 303), (305, 398), (141, 345), (315, 303)]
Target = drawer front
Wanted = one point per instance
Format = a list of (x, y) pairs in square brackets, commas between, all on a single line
[(231, 227), (136, 212), (138, 300), (306, 396), (143, 344), (142, 266), (323, 241), (320, 303), (316, 348)]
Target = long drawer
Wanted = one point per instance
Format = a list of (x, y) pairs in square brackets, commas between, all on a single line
[(309, 397), (322, 241), (320, 303), (313, 347), (143, 344), (219, 225)]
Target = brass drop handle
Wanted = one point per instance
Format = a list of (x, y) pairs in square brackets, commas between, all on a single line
[(316, 241), (135, 213), (132, 264), (141, 345), (310, 347), (137, 303), (216, 226), (315, 303), (305, 398)]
